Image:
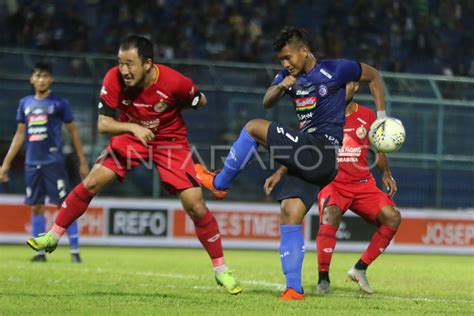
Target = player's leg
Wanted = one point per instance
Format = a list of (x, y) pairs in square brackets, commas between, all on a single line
[(56, 184), (242, 150), (332, 205), (35, 197), (377, 207)]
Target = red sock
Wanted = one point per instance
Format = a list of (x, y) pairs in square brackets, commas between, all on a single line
[(325, 242), (208, 234), (379, 242), (74, 206)]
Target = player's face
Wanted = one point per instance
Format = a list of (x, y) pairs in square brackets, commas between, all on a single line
[(132, 68), (41, 81), (293, 57)]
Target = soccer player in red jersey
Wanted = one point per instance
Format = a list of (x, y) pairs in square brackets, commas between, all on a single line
[(353, 188), (148, 99)]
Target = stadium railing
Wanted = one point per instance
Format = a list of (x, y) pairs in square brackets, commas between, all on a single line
[(435, 168)]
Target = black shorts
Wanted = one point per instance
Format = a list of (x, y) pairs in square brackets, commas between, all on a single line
[(310, 158)]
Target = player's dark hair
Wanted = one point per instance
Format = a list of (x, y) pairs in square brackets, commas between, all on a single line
[(42, 67), (291, 35), (143, 45)]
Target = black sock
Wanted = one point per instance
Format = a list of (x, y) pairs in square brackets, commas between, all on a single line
[(323, 276), (361, 265)]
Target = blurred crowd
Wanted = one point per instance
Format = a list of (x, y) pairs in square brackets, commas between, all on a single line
[(420, 36)]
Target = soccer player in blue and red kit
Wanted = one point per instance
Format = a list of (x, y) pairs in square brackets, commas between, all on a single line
[(354, 188), (40, 118), (148, 99), (317, 88)]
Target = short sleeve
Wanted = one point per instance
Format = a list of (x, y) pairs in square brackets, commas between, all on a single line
[(185, 89), (20, 113), (66, 112), (110, 91), (347, 71), (279, 77)]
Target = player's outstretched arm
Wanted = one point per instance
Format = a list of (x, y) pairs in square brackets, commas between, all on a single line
[(108, 125), (387, 179), (372, 76), (76, 142), (15, 146)]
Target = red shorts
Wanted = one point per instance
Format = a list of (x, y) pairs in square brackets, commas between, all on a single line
[(363, 198), (172, 158)]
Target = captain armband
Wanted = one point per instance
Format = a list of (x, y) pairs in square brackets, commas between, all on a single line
[(195, 100), (105, 109)]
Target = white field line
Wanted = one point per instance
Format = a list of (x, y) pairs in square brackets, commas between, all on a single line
[(259, 283)]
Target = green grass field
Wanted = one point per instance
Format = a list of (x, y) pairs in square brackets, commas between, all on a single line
[(180, 282)]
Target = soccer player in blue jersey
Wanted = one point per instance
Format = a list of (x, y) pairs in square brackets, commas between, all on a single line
[(317, 88), (40, 117)]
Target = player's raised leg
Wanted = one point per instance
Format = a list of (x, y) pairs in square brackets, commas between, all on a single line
[(389, 219), (209, 235), (254, 133), (330, 218), (292, 213), (73, 207)]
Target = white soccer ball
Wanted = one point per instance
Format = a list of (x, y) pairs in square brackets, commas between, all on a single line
[(387, 135)]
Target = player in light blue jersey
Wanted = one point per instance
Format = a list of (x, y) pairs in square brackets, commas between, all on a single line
[(308, 156), (40, 118)]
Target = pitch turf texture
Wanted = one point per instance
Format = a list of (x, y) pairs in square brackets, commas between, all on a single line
[(179, 282)]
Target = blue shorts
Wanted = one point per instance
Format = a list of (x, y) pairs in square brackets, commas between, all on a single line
[(45, 180)]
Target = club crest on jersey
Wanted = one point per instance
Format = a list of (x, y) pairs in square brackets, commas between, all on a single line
[(323, 90), (303, 104), (361, 132), (160, 106)]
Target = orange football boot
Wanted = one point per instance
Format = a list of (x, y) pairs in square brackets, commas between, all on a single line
[(291, 295), (207, 180)]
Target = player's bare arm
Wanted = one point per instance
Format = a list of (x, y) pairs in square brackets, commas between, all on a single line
[(372, 76), (387, 178), (273, 180), (15, 146), (275, 92), (108, 125), (76, 142)]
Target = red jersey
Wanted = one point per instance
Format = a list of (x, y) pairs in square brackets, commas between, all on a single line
[(157, 107), (352, 160)]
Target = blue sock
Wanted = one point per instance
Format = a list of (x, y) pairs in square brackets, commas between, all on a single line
[(292, 254), (73, 234), (240, 153), (38, 224)]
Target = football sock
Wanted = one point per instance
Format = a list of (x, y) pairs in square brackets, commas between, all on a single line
[(208, 234), (361, 265), (73, 206), (73, 234), (292, 255), (38, 226), (240, 153), (325, 243), (323, 276), (379, 242)]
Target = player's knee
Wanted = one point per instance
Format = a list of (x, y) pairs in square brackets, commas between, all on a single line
[(91, 184), (392, 217), (291, 215), (332, 216), (251, 126), (196, 209)]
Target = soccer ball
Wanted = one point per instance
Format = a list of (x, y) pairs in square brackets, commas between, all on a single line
[(387, 135)]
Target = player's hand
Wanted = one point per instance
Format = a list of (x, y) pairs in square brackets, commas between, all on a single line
[(288, 82), (83, 170), (389, 183), (271, 182), (143, 134), (4, 173)]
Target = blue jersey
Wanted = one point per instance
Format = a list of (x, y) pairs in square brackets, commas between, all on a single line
[(319, 95), (43, 120)]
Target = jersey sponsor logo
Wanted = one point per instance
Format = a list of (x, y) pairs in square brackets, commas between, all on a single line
[(304, 104), (361, 132), (323, 90), (362, 121), (162, 94), (142, 105), (325, 73), (148, 124), (41, 119), (38, 111), (304, 92), (305, 116), (103, 90), (37, 138), (160, 106), (348, 130), (37, 130)]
